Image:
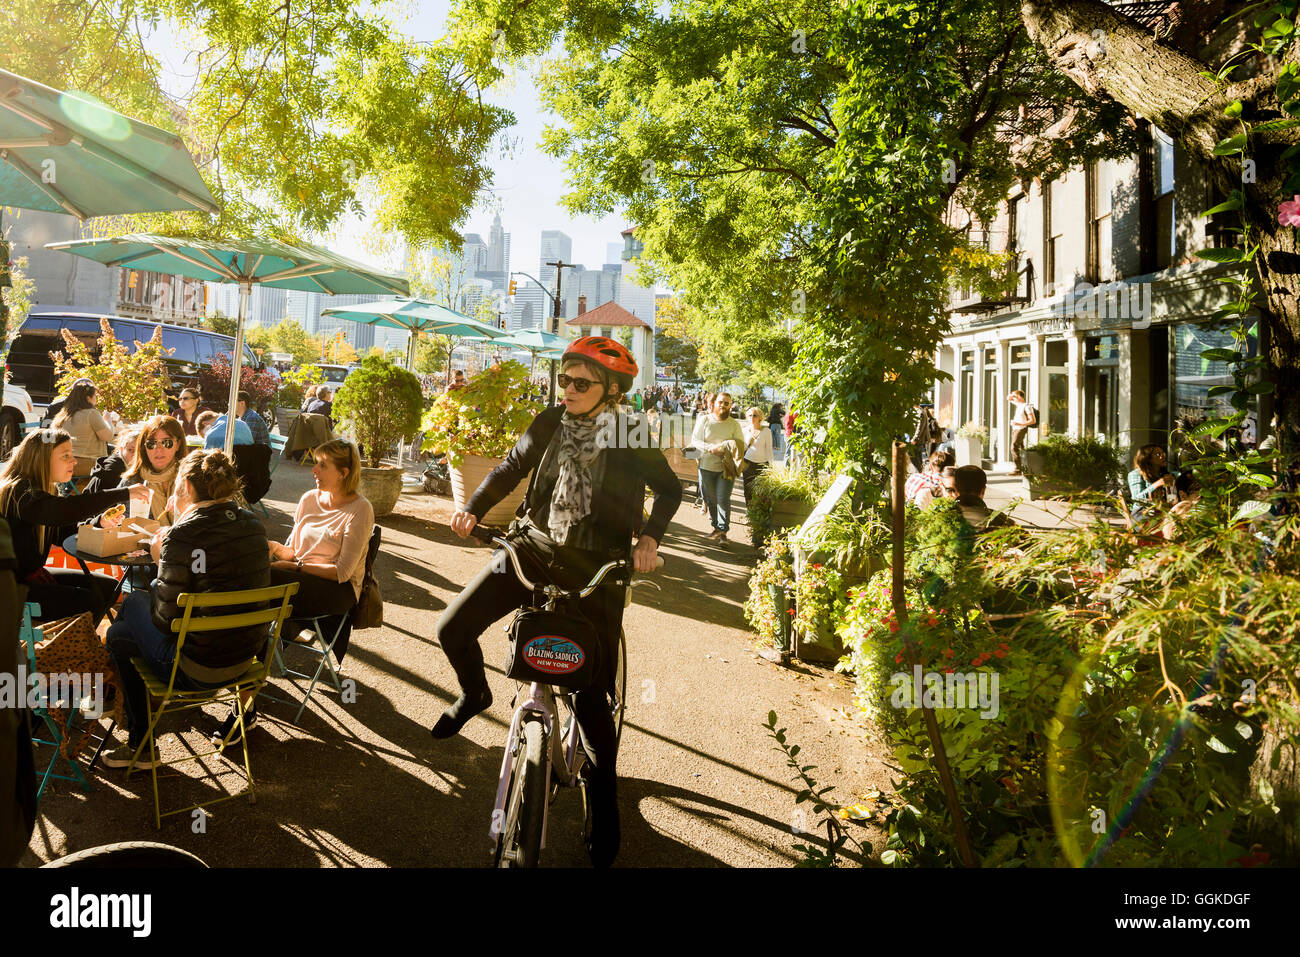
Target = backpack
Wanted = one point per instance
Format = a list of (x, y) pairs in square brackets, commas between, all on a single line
[(1032, 412)]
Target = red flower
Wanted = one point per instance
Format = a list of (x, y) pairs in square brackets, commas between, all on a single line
[(893, 626), (817, 568), (949, 671), (932, 621), (999, 653), (948, 652), (898, 658)]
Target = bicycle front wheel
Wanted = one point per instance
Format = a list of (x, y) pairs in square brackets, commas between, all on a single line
[(618, 700), (520, 843)]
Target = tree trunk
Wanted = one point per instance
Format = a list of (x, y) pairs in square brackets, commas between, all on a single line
[(1111, 56)]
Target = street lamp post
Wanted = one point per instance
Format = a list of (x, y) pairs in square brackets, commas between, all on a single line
[(560, 265)]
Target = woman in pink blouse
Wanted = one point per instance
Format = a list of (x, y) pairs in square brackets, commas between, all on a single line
[(326, 551)]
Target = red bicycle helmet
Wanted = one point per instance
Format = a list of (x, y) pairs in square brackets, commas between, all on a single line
[(606, 353)]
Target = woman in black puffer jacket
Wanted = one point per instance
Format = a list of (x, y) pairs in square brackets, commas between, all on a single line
[(214, 546)]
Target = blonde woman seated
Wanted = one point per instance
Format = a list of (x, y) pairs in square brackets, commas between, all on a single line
[(326, 551)]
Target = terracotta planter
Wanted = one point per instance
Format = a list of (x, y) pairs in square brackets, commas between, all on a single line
[(469, 475), (381, 487)]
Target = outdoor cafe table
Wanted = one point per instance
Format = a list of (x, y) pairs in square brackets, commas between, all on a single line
[(125, 561)]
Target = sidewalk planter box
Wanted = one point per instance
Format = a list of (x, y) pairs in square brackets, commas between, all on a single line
[(381, 487), (284, 417), (970, 451), (469, 475), (790, 513), (822, 646)]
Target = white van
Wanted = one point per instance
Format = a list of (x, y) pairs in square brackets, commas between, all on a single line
[(17, 414)]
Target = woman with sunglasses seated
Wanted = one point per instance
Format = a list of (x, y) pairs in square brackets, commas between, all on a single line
[(158, 453), (326, 551), (585, 503), (38, 519), (232, 542)]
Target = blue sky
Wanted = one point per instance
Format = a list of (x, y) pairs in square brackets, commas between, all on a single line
[(527, 184)]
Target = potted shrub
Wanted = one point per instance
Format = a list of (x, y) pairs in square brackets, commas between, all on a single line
[(1060, 465), (293, 389), (972, 439), (476, 426), (783, 496), (817, 591), (379, 404)]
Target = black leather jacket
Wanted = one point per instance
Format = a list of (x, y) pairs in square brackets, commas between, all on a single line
[(616, 504), (214, 547)]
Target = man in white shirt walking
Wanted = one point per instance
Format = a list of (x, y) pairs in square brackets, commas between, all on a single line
[(718, 436)]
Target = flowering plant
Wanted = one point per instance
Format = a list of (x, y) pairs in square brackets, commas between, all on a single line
[(776, 569)]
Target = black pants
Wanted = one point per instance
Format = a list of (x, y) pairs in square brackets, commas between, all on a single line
[(496, 592), (72, 594), (318, 596)]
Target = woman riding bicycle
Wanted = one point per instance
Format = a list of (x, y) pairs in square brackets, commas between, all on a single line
[(584, 503)]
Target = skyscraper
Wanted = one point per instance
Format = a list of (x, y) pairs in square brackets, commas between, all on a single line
[(498, 248)]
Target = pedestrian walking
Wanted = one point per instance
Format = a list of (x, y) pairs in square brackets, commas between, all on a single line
[(776, 421), (926, 435), (758, 458), (721, 440), (1024, 419)]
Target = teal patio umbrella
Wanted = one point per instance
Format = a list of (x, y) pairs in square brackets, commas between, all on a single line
[(416, 316), (68, 153), (250, 262), (539, 343)]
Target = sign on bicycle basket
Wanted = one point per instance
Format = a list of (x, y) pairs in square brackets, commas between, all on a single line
[(554, 655), (553, 648)]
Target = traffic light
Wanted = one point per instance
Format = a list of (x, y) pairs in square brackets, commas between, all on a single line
[(513, 284)]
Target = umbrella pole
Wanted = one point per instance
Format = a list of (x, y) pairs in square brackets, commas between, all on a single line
[(410, 353), (237, 366)]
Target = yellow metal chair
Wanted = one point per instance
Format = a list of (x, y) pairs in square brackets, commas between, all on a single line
[(174, 699)]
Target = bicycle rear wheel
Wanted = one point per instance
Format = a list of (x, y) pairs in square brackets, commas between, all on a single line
[(520, 841)]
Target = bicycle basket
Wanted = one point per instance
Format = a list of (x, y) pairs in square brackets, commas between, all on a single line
[(553, 648)]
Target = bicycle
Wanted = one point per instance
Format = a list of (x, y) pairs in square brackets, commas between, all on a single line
[(538, 762)]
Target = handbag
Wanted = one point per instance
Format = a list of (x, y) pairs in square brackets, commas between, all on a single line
[(70, 646), (553, 648), (369, 610)]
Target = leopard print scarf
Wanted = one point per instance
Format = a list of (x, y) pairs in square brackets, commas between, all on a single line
[(571, 499)]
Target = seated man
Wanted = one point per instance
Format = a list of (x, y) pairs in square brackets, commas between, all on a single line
[(970, 482), (215, 437), (251, 418)]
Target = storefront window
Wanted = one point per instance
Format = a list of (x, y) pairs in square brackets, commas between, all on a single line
[(1194, 375), (990, 399), (1101, 386), (967, 388), (1058, 402)]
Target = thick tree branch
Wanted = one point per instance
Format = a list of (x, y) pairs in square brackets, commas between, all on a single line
[(1111, 56)]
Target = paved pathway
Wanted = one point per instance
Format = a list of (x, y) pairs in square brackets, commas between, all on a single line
[(364, 784)]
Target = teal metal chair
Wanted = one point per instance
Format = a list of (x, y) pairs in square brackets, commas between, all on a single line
[(58, 736), (321, 646)]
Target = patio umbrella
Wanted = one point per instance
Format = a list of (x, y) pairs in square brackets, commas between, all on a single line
[(251, 262), (416, 316), (67, 153), (539, 343)]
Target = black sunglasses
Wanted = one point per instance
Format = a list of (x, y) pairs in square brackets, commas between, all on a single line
[(154, 443), (582, 385)]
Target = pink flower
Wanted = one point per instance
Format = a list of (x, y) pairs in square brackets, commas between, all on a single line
[(1288, 212)]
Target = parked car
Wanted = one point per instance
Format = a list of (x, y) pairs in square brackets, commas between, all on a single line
[(334, 375), (32, 368), (18, 411)]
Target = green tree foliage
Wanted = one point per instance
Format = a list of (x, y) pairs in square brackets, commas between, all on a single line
[(222, 324), (679, 357), (788, 167), (130, 382), (380, 403), (295, 112)]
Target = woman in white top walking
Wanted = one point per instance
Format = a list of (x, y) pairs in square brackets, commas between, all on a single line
[(758, 455), (90, 432)]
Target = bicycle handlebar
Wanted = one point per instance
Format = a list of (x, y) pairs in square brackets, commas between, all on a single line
[(495, 536)]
